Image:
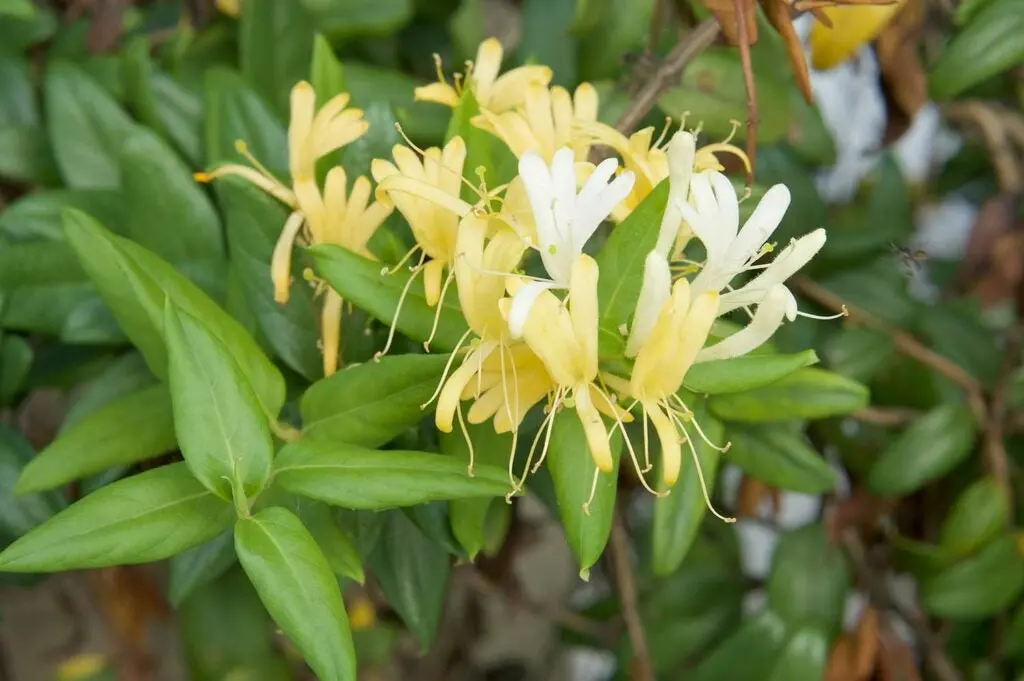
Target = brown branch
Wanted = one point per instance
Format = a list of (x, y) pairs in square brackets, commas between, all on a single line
[(740, 8), (996, 459), (887, 417), (668, 73), (993, 131), (641, 669), (879, 594)]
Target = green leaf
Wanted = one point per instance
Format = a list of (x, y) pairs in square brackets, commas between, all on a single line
[(86, 128), (478, 523), (878, 287), (931, 447), (978, 514), (15, 363), (180, 111), (747, 654), (422, 121), (779, 457), (37, 216), (622, 29), (38, 263), (803, 658), (20, 513), (325, 72), (223, 434), (147, 517), (26, 155), (413, 572), (254, 221), (360, 478), (167, 211), (17, 34), (744, 373), (369, 404), (988, 45), (22, 9), (275, 44), (17, 93), (1014, 641), (296, 585), (858, 353), (547, 39), (347, 18), (587, 525), (805, 394), (964, 338), (137, 69), (809, 580), (678, 516), (199, 566), (979, 586), (232, 111), (134, 427), (338, 548), (621, 263), (360, 281), (122, 376), (885, 218), (135, 284)]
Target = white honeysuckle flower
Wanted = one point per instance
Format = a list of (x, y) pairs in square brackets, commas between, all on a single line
[(565, 220), (656, 289), (681, 152), (772, 309)]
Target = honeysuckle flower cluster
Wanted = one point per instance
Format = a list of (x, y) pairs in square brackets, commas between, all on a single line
[(533, 340)]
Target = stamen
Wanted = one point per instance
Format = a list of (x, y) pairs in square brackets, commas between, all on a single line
[(440, 306), (700, 478), (388, 271), (497, 273), (481, 197), (469, 440), (439, 68), (398, 309), (593, 491), (629, 448), (547, 436), (647, 445), (664, 133), (243, 150), (693, 419), (447, 368), (735, 126), (843, 313), (513, 419)]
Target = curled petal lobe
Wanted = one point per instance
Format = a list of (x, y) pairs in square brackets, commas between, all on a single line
[(766, 321), (438, 93), (593, 428), (654, 291)]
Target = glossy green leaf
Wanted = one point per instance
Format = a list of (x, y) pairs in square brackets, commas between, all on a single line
[(15, 363), (369, 404), (223, 434), (623, 29), (167, 211), (805, 394), (978, 586), (878, 287), (325, 72), (413, 572), (22, 9), (275, 43), (144, 518), (931, 447), (37, 216), (779, 457), (919, 558), (345, 18), (296, 585), (134, 427), (86, 127), (621, 262), (232, 111), (857, 353), (422, 121), (254, 221), (122, 376), (475, 522), (809, 580), (744, 373), (137, 70), (199, 566), (804, 656), (747, 654), (987, 45), (547, 38), (18, 33), (180, 111), (678, 516), (135, 283), (38, 263), (977, 515), (338, 547), (356, 477), (26, 155), (587, 521), (19, 513), (361, 282)]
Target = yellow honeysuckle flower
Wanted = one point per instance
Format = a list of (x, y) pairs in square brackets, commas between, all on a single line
[(493, 92), (333, 216), (230, 7), (547, 120), (852, 26)]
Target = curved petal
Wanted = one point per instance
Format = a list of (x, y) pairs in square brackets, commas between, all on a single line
[(761, 224), (507, 91), (487, 65), (438, 93), (656, 288), (767, 319), (522, 303)]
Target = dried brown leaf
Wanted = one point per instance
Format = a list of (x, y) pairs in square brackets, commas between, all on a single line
[(988, 268), (899, 61), (866, 646), (841, 660), (781, 17), (895, 659), (725, 12)]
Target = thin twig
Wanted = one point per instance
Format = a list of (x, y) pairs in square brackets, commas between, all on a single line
[(642, 669), (996, 458), (887, 417), (993, 130), (878, 592), (740, 8), (667, 73), (902, 341), (654, 32)]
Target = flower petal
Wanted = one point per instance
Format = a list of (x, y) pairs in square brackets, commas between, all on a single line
[(438, 93), (656, 288), (522, 303), (761, 224), (766, 321)]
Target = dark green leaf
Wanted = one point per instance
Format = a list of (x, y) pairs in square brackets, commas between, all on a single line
[(325, 73), (858, 353), (804, 657), (275, 43), (780, 457), (86, 128), (979, 586), (231, 112), (885, 219), (223, 434), (621, 263), (296, 585), (123, 376), (181, 114), (15, 363), (547, 38), (137, 69), (677, 517), (879, 288), (963, 338), (199, 566), (623, 29), (988, 44), (928, 449), (338, 548), (346, 18), (17, 93), (135, 284), (147, 517), (361, 282), (744, 373), (809, 580), (805, 394), (978, 514), (356, 477), (26, 155), (1014, 640), (20, 513), (38, 263), (135, 427), (587, 518), (413, 574), (422, 121), (747, 654), (369, 404), (38, 215)]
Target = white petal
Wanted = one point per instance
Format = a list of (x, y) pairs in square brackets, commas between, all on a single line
[(598, 211), (766, 321), (539, 191), (522, 303), (656, 289), (728, 205), (761, 224), (563, 184), (681, 152), (598, 181), (785, 265), (703, 195)]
